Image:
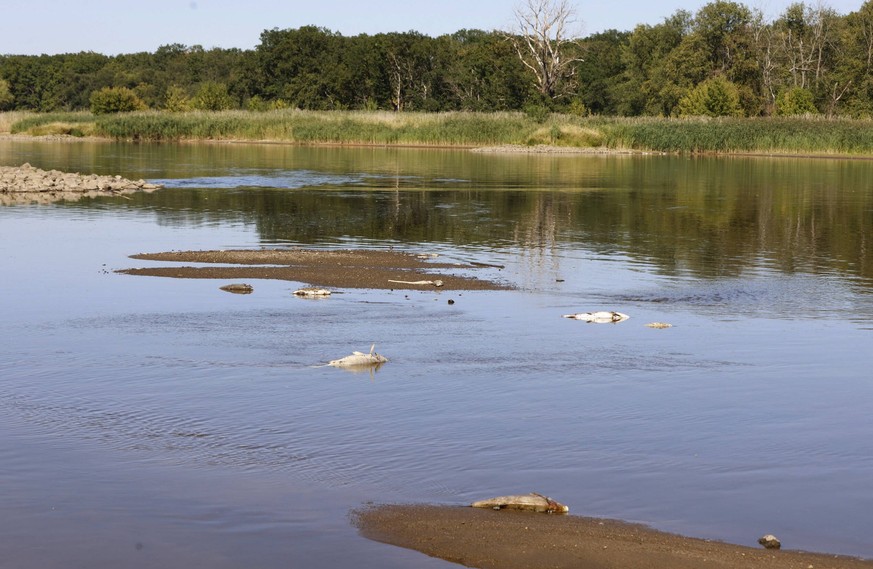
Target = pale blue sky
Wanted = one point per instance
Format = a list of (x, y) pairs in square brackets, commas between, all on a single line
[(119, 26)]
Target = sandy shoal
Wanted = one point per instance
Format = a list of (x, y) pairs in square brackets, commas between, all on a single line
[(373, 269), (509, 539)]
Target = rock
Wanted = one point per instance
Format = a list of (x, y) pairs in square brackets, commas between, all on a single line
[(770, 541), (26, 184)]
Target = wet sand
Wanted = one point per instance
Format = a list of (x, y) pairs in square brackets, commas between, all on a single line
[(373, 269), (508, 539)]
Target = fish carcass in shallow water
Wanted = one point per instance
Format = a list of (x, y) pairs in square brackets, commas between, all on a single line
[(238, 288), (601, 317), (312, 292), (533, 501), (360, 359)]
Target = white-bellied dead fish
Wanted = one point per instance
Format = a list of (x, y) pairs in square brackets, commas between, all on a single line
[(312, 292), (601, 317), (533, 502), (659, 325), (360, 359)]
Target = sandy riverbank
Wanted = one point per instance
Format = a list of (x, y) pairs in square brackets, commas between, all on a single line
[(524, 540)]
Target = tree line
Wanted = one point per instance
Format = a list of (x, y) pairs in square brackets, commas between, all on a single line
[(725, 59)]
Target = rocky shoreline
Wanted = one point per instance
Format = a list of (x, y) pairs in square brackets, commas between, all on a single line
[(26, 184)]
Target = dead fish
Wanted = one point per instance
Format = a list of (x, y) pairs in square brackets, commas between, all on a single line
[(599, 317), (238, 288), (436, 283), (311, 291), (659, 325), (770, 541), (360, 359), (533, 501)]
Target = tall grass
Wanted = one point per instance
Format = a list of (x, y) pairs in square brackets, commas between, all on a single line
[(786, 135), (9, 118), (798, 135), (340, 127), (36, 124)]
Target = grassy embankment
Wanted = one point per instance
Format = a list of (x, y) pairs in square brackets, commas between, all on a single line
[(728, 135)]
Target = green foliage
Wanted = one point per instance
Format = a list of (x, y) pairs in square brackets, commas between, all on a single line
[(577, 107), (176, 100), (6, 96), (689, 135), (115, 100), (212, 96), (646, 71), (538, 113), (716, 97), (796, 101), (257, 104), (732, 134), (599, 73)]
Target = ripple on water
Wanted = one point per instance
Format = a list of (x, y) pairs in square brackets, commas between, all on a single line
[(791, 297)]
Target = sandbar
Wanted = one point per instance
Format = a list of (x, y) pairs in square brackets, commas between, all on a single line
[(507, 539), (354, 268)]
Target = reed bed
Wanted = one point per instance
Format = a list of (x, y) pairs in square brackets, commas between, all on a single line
[(776, 135), (796, 135), (338, 127), (40, 124), (8, 119)]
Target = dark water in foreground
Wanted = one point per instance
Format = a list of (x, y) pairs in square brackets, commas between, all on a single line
[(150, 422)]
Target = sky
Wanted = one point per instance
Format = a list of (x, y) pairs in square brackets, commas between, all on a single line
[(111, 27)]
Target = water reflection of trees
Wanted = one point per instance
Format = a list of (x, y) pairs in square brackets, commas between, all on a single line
[(708, 233), (706, 217)]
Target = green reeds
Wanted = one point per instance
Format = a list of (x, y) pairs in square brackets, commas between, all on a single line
[(38, 124), (777, 135), (338, 127)]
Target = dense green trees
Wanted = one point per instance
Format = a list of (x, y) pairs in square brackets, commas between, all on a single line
[(115, 100), (809, 59)]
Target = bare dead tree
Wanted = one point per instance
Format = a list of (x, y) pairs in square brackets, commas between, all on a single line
[(763, 38), (806, 33), (542, 39), (837, 94)]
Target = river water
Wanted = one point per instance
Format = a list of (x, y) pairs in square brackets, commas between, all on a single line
[(160, 422)]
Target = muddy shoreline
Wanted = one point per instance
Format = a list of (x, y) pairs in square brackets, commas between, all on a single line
[(508, 539), (372, 269)]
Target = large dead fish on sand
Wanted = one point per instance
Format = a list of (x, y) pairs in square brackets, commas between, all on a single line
[(602, 317), (360, 359), (533, 502)]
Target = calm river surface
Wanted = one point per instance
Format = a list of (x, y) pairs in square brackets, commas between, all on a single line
[(151, 422)]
